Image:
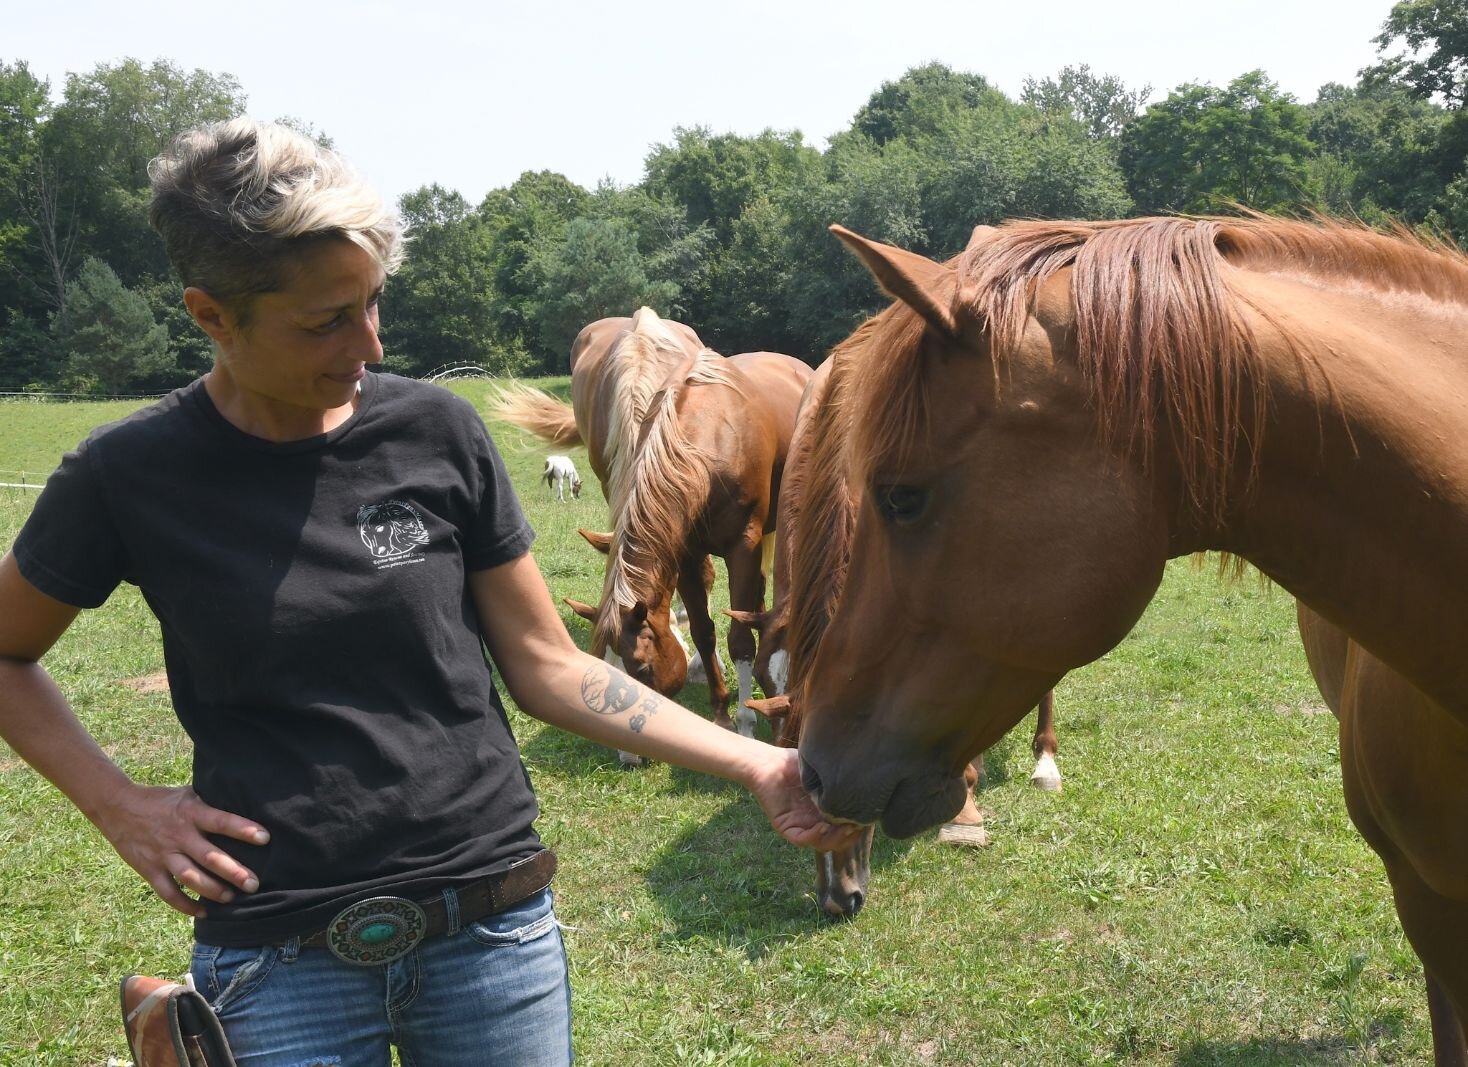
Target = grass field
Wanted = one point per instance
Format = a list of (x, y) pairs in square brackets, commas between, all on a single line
[(1196, 895)]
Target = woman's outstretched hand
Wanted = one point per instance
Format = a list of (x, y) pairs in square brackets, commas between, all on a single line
[(776, 785)]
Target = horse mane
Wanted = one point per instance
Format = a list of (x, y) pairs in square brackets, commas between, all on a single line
[(1159, 333), (667, 481), (633, 372), (818, 563)]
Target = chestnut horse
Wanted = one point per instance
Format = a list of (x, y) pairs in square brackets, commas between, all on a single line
[(1291, 393), (824, 511)]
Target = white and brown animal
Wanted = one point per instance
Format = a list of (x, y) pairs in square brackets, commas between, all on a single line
[(560, 472)]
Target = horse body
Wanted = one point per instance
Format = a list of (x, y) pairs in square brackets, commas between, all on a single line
[(1293, 394), (617, 367), (559, 472), (706, 483)]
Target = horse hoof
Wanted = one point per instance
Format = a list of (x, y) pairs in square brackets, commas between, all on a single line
[(962, 835), (1047, 775)]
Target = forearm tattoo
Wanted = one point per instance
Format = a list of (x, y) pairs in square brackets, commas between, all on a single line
[(607, 691)]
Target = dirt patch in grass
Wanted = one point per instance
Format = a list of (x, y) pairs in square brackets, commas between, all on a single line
[(147, 683)]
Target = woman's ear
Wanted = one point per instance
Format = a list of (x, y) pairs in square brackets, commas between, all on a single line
[(213, 317)]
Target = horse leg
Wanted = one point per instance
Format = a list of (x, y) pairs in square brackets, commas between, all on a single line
[(696, 672), (1400, 769), (746, 593), (705, 638), (1044, 746), (1449, 1032), (967, 827)]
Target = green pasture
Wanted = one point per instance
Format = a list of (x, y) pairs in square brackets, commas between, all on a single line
[(1196, 895)]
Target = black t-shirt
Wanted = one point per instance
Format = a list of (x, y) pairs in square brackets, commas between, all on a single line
[(323, 650)]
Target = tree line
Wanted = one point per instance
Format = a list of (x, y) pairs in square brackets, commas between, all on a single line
[(724, 232)]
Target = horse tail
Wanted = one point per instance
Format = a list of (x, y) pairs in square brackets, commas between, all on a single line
[(536, 412)]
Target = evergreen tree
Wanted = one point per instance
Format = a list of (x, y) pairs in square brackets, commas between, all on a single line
[(107, 336)]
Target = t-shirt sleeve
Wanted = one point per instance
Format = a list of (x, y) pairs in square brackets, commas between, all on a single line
[(500, 532), (70, 548)]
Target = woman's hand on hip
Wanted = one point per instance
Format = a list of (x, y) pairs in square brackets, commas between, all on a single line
[(159, 831)]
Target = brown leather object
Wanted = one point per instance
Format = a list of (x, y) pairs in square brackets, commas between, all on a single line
[(491, 894), (171, 1025)]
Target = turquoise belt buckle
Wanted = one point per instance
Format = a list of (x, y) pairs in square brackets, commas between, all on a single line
[(376, 930)]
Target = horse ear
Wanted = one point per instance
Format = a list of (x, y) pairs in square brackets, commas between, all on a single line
[(602, 542), (638, 615), (770, 707), (755, 620), (586, 611), (928, 288)]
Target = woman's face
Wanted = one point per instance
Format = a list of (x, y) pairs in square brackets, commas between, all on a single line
[(306, 346)]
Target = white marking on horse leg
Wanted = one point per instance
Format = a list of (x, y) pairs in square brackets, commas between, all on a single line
[(745, 718), (1047, 774), (779, 671)]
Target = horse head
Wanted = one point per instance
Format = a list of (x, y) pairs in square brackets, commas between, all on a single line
[(999, 540), (642, 634)]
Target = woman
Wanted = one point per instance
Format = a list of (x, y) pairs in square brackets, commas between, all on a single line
[(329, 553)]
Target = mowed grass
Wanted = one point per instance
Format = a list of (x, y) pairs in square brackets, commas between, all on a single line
[(1195, 896)]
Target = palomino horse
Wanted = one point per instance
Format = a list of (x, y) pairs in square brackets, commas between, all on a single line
[(617, 367), (824, 511), (690, 449), (706, 482), (1295, 394)]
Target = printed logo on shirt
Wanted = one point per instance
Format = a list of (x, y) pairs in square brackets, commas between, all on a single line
[(392, 532)]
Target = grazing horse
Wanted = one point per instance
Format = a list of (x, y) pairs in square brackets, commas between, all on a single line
[(617, 368), (560, 472), (689, 448), (1292, 393), (706, 482), (842, 877)]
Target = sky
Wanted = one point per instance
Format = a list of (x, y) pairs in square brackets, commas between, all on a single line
[(469, 95)]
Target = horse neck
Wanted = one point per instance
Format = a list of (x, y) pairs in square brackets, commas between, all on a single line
[(656, 506), (1359, 504)]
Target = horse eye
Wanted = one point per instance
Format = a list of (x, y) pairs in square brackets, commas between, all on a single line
[(902, 504)]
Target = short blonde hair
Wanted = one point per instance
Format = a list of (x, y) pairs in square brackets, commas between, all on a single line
[(236, 202)]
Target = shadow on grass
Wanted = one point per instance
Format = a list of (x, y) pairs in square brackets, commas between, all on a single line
[(732, 880), (1277, 1052)]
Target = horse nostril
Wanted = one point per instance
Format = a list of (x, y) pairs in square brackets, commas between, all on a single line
[(809, 779), (857, 900)]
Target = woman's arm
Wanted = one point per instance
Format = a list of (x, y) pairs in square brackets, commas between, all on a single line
[(553, 680), (158, 831)]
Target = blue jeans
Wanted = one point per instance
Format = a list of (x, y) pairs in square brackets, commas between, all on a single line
[(494, 992)]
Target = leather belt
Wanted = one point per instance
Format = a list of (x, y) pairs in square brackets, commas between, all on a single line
[(382, 929)]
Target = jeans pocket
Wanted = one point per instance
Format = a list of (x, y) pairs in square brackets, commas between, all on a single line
[(226, 976), (532, 918)]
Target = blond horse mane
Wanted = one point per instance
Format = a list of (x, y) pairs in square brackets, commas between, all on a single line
[(1159, 333), (633, 372), (664, 482)]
